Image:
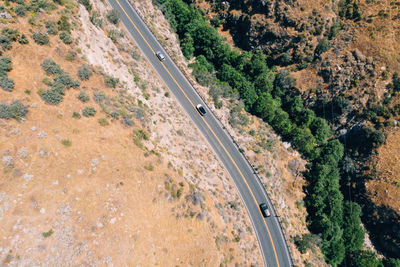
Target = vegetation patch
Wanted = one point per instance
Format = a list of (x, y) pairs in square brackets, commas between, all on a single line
[(14, 110), (89, 112)]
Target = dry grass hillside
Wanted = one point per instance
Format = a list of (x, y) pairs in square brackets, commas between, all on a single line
[(132, 183)]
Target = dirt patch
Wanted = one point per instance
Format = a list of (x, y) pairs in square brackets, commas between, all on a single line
[(385, 190)]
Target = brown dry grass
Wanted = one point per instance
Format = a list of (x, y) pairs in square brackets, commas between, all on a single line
[(381, 38), (386, 189), (118, 209)]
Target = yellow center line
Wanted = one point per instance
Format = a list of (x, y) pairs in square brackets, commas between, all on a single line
[(219, 141)]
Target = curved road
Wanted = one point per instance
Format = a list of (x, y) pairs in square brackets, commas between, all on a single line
[(269, 235)]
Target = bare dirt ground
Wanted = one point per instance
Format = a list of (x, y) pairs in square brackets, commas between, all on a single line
[(386, 189)]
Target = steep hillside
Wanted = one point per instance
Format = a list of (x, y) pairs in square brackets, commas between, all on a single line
[(324, 76), (99, 164)]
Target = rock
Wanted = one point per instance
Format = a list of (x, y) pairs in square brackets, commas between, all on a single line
[(5, 15), (8, 161), (42, 134), (95, 162), (23, 152), (43, 153), (33, 128), (113, 220), (358, 55), (42, 211), (28, 177)]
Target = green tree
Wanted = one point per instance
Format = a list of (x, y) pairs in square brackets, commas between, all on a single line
[(265, 107), (187, 46), (353, 233), (320, 129)]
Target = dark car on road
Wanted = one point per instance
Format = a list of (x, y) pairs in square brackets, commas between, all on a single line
[(264, 210), (201, 109)]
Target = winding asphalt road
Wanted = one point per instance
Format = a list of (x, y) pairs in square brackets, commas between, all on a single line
[(269, 234)]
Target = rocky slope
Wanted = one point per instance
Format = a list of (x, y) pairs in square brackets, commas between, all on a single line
[(344, 56)]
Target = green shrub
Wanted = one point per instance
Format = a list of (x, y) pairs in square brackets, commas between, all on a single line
[(111, 82), (103, 122), (5, 64), (84, 73), (53, 95), (40, 38), (86, 4), (89, 112), (15, 110), (5, 42), (113, 16), (63, 24), (23, 40), (7, 83), (51, 67), (66, 80), (76, 115), (37, 5), (99, 97), (48, 234), (65, 37), (70, 56), (83, 97), (52, 27), (66, 142), (115, 115), (96, 20), (20, 10), (13, 34)]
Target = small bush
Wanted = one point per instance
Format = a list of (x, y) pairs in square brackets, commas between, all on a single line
[(48, 234), (76, 115), (111, 82), (149, 167), (63, 24), (53, 95), (23, 40), (113, 16), (89, 112), (20, 10), (51, 27), (5, 64), (15, 110), (103, 122), (65, 37), (84, 73), (66, 142), (7, 83), (66, 80), (40, 38), (115, 115), (99, 97), (96, 20), (70, 56), (13, 34), (5, 42), (50, 67), (83, 97), (127, 121), (46, 81), (86, 4)]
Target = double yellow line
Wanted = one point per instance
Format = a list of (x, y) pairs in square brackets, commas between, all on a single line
[(219, 141)]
